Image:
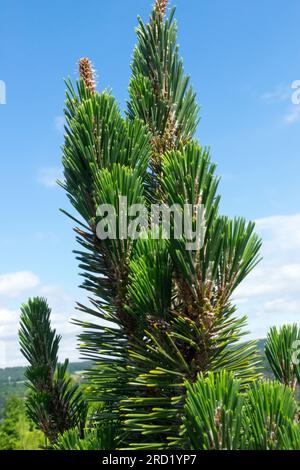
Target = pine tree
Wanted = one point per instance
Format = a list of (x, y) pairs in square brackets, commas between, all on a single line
[(54, 403), (171, 368), (169, 309)]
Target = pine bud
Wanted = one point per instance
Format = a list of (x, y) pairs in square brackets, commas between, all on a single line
[(87, 73), (161, 6)]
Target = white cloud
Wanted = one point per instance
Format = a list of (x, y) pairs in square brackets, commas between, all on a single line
[(271, 293), (59, 124), (270, 279), (7, 316), (283, 305), (9, 320), (281, 237), (49, 176), (13, 284)]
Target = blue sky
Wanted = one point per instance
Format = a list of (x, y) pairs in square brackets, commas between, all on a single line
[(242, 57)]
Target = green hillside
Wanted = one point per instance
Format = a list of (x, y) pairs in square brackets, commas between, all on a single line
[(12, 380)]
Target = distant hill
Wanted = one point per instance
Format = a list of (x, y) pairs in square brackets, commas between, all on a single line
[(16, 374), (12, 380)]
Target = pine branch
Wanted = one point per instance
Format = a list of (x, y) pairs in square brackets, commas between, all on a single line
[(54, 403)]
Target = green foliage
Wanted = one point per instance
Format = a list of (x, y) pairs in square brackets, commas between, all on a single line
[(102, 437), (8, 427), (72, 440), (289, 436), (54, 403), (213, 413), (8, 390), (281, 351), (159, 90), (197, 331), (16, 432), (270, 414), (170, 368), (162, 313), (218, 415)]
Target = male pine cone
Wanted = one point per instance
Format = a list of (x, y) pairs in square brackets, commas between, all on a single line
[(161, 6), (87, 73)]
